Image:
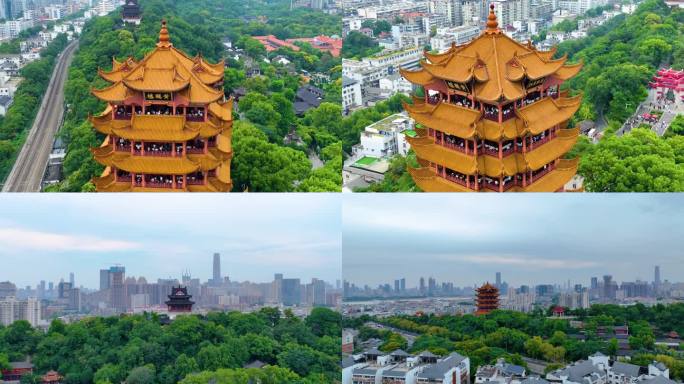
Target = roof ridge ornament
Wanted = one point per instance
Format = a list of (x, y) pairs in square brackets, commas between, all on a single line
[(164, 39), (492, 23)]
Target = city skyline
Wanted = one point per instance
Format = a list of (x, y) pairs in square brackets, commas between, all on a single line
[(257, 237), (542, 239)]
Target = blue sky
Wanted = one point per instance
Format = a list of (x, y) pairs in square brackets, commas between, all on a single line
[(46, 236), (529, 238)]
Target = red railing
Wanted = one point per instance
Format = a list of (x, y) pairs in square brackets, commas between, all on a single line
[(454, 147), (456, 180), (542, 173), (194, 118), (489, 151)]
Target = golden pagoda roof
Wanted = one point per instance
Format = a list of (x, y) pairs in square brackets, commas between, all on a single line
[(486, 287), (426, 149), (222, 110), (156, 127), (146, 164), (569, 71), (495, 131), (545, 113), (426, 180), (556, 179), (115, 93), (466, 122), (446, 117), (156, 79), (555, 148), (165, 69), (497, 63), (119, 69)]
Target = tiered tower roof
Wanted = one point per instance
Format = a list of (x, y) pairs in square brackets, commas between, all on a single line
[(167, 123), (179, 300), (493, 117), (487, 299)]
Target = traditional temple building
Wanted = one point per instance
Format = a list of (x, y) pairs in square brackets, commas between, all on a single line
[(167, 124), (130, 12), (493, 117), (179, 300), (487, 299), (52, 377)]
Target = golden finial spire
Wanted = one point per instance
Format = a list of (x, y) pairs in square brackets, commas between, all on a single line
[(492, 23), (164, 40)]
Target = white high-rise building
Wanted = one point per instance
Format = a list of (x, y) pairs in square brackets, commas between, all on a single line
[(12, 310)]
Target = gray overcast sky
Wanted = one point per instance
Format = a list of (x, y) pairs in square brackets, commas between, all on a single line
[(529, 238), (46, 236)]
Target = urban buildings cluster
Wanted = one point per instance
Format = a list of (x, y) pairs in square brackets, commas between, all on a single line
[(374, 366), (430, 295), (118, 293), (371, 365), (29, 50)]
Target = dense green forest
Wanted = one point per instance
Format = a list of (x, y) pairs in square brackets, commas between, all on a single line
[(261, 162), (192, 349), (512, 335), (620, 58), (14, 126)]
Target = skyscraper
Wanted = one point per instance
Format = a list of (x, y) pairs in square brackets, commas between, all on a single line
[(291, 292), (656, 278), (403, 284), (498, 280), (278, 287), (118, 289), (217, 268), (104, 279), (318, 293), (72, 280), (422, 285)]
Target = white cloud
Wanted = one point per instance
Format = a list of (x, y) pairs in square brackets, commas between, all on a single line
[(451, 222), (522, 261), (26, 239)]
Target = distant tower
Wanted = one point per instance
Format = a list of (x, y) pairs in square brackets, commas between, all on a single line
[(498, 280), (130, 13), (118, 288), (179, 300), (487, 299), (72, 280), (104, 279), (217, 268), (656, 279)]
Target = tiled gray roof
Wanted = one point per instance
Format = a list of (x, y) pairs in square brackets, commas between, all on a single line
[(621, 368)]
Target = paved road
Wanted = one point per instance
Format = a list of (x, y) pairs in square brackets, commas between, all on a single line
[(29, 167), (409, 336), (535, 366)]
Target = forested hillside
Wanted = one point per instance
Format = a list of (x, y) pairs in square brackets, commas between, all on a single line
[(138, 349), (620, 58)]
